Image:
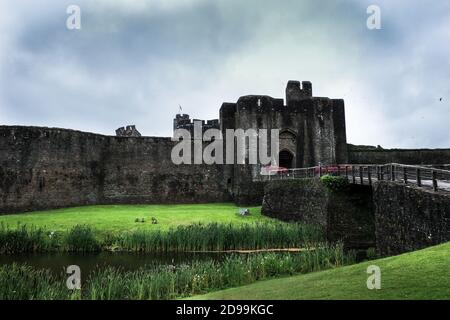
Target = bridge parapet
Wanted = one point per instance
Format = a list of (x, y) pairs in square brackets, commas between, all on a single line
[(420, 176)]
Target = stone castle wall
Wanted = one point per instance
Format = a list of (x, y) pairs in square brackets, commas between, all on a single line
[(398, 218), (345, 215), (404, 156), (408, 219), (44, 168)]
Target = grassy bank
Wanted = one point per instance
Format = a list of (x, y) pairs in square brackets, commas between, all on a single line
[(422, 274), (166, 282), (197, 237), (120, 218)]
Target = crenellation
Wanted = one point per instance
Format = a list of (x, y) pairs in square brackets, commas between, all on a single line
[(307, 89), (183, 121), (128, 131)]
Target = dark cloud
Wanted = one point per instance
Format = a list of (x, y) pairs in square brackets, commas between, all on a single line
[(135, 61)]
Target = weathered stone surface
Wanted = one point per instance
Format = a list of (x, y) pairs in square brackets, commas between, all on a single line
[(351, 216), (316, 128), (346, 215), (404, 156), (250, 194), (128, 131), (296, 200), (43, 168), (408, 218), (401, 218), (183, 121)]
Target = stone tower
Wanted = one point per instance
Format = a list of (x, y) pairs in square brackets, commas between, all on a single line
[(312, 131)]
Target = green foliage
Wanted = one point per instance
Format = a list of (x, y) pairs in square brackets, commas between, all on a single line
[(21, 282), (371, 253), (168, 281), (222, 237), (196, 237), (23, 239), (334, 183), (81, 239)]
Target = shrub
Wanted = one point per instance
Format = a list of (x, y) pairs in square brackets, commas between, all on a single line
[(23, 239), (81, 238), (334, 183), (371, 253)]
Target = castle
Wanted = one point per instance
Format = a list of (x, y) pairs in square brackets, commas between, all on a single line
[(43, 168)]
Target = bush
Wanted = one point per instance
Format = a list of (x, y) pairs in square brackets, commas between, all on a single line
[(334, 183), (81, 239), (371, 253), (23, 239)]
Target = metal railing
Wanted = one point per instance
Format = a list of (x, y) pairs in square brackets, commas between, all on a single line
[(420, 176)]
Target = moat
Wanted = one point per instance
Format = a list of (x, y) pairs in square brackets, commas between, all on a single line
[(89, 262)]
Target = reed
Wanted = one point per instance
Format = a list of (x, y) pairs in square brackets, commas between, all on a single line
[(81, 239), (21, 282), (23, 239), (196, 237), (222, 237), (163, 282)]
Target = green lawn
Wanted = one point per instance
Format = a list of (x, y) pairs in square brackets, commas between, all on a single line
[(422, 274), (117, 218)]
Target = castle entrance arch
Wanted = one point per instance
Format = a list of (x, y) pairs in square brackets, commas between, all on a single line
[(286, 159), (288, 147)]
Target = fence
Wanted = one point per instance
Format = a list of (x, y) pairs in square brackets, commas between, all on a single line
[(423, 177)]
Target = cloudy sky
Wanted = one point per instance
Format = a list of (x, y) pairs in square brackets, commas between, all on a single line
[(135, 61)]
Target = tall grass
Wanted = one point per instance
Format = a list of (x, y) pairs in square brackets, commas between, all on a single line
[(21, 282), (23, 239), (167, 281), (81, 239), (197, 237), (222, 237)]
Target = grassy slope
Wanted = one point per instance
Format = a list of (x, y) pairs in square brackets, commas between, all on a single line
[(422, 274), (116, 218)]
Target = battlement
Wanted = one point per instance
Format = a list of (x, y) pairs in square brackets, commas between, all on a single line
[(183, 121), (296, 92), (128, 131)]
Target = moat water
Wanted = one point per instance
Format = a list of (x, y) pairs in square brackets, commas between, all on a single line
[(58, 262)]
